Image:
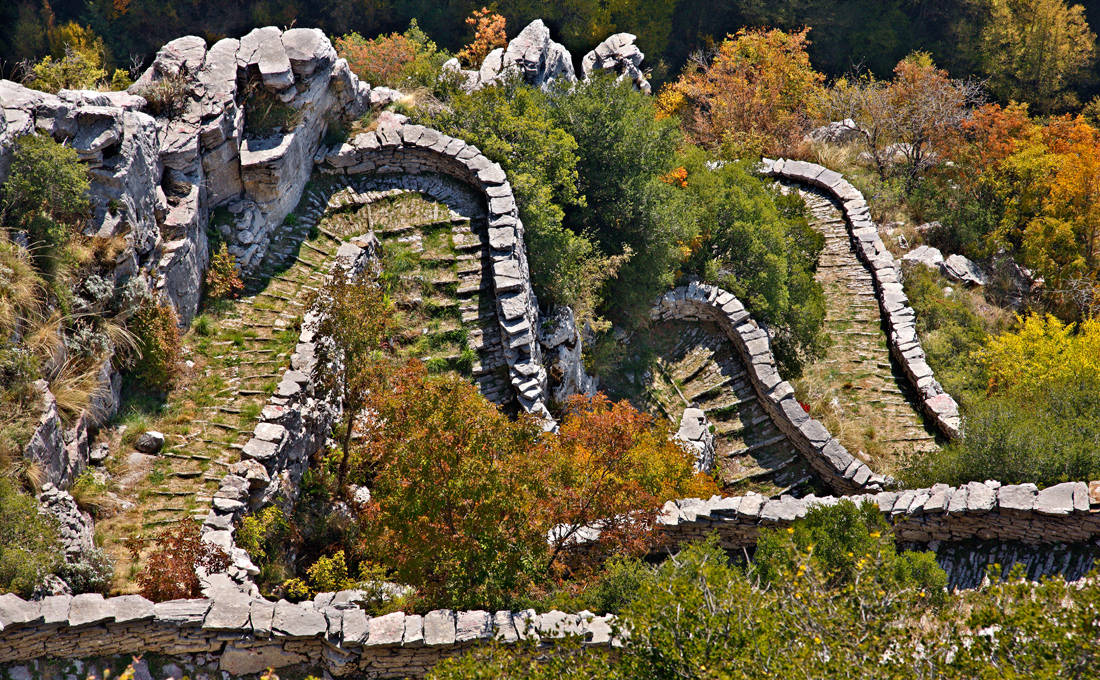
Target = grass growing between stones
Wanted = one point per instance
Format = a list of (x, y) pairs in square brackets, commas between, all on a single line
[(855, 389), (675, 365)]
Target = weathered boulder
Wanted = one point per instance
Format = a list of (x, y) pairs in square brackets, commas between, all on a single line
[(150, 442), (533, 56), (695, 432), (959, 268), (924, 255), (618, 54), (837, 132)]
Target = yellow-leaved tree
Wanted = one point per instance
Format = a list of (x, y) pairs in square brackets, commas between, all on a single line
[(1042, 351), (1033, 50)]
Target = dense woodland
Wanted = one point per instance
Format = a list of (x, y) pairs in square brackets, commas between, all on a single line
[(975, 131)]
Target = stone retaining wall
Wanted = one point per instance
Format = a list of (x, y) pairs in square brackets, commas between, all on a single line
[(701, 302), (898, 316), (249, 634), (415, 149), (1064, 513), (294, 423)]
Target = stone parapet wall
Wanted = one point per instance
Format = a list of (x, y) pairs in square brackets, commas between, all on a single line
[(415, 149), (701, 302), (898, 317), (249, 635)]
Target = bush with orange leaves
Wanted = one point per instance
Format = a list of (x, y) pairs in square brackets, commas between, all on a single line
[(171, 570), (399, 60), (614, 466), (488, 35), (757, 94), (464, 497)]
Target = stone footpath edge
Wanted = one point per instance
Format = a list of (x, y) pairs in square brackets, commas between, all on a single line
[(293, 423), (386, 151), (842, 471), (250, 634), (899, 317)]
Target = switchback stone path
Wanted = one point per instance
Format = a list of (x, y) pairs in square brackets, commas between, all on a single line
[(691, 364), (438, 255), (868, 399)]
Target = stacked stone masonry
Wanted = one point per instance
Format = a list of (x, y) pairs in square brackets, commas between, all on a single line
[(837, 467), (898, 316), (249, 634), (415, 149)]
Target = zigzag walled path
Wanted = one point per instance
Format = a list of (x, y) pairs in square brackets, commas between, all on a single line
[(468, 291), (869, 397)]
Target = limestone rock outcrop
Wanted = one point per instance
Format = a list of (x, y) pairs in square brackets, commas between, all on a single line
[(562, 349), (618, 53), (538, 60)]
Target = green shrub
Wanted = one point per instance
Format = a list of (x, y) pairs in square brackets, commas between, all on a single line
[(74, 71), (46, 192), (91, 574), (29, 548), (1046, 436), (829, 597), (950, 331), (156, 328)]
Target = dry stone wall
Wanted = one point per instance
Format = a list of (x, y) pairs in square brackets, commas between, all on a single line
[(248, 634), (701, 302), (898, 317), (415, 149), (294, 423)]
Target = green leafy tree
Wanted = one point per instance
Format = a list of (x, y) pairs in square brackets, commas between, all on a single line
[(759, 246), (29, 548), (355, 324), (513, 125), (628, 210), (1033, 50)]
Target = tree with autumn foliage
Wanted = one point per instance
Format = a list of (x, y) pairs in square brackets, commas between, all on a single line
[(394, 60), (456, 487), (1032, 190), (171, 569), (355, 320), (488, 35), (611, 467), (463, 497), (756, 95), (1034, 50), (911, 118)]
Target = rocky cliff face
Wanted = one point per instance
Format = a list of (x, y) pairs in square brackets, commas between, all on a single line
[(214, 155)]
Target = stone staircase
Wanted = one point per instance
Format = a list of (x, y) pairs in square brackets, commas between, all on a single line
[(868, 398), (694, 365), (439, 259)]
